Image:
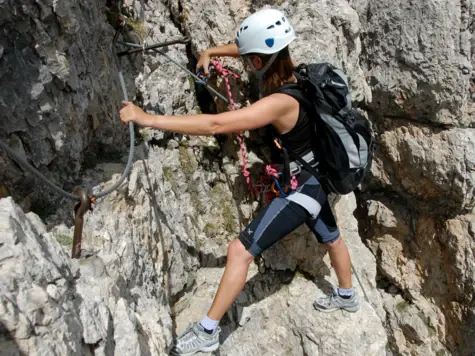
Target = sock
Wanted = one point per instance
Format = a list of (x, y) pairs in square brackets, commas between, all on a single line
[(209, 325), (346, 293)]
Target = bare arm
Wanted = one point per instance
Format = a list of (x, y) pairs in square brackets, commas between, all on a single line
[(276, 107), (229, 50)]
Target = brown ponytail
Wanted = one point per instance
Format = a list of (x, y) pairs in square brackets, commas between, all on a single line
[(279, 72)]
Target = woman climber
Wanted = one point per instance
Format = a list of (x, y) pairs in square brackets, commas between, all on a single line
[(262, 41)]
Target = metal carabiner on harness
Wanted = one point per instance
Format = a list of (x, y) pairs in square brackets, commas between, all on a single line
[(280, 192), (286, 170)]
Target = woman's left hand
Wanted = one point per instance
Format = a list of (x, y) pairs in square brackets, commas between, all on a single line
[(131, 112)]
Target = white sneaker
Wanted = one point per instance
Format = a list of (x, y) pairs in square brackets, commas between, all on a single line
[(195, 339), (334, 302)]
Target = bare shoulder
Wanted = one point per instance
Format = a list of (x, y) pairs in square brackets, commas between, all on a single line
[(283, 98), (280, 102), (282, 109)]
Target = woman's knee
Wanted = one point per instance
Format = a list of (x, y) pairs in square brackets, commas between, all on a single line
[(237, 252), (334, 244)]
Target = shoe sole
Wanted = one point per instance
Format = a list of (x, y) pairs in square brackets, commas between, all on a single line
[(211, 348), (348, 309)]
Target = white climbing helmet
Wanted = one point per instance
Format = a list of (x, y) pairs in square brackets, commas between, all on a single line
[(266, 31)]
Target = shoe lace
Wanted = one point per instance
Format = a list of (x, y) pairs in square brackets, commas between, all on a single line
[(186, 337), (329, 300)]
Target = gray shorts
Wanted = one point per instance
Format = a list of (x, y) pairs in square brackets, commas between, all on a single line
[(308, 204)]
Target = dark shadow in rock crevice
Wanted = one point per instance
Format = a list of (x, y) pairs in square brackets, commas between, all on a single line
[(467, 345), (8, 345), (425, 242)]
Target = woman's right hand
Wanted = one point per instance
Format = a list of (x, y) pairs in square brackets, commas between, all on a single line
[(203, 62)]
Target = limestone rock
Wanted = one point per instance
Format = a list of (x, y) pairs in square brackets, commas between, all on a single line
[(57, 77), (30, 261), (417, 262), (418, 59), (423, 166), (148, 248), (296, 330), (50, 304)]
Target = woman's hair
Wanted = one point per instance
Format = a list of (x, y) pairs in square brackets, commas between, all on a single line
[(279, 72)]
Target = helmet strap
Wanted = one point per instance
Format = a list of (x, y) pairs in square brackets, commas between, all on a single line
[(261, 87), (260, 73)]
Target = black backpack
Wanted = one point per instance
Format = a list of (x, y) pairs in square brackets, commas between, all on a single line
[(344, 141)]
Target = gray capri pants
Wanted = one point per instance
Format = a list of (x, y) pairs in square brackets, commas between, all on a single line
[(307, 204)]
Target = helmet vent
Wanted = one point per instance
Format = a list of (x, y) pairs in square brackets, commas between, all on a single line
[(278, 23), (271, 26), (245, 28), (288, 30)]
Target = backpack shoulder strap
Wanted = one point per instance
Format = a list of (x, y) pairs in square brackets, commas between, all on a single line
[(297, 91)]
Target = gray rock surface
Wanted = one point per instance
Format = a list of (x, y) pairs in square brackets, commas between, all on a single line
[(419, 59), (422, 166), (297, 329), (59, 90), (50, 304), (153, 250)]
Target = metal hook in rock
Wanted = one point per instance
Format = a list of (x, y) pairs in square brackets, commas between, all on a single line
[(81, 208)]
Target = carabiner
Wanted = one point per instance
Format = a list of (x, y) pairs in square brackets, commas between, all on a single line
[(280, 192)]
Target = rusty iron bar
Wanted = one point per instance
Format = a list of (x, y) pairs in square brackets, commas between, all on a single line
[(184, 40), (81, 208)]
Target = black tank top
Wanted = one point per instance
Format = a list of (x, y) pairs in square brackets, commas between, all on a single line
[(299, 138)]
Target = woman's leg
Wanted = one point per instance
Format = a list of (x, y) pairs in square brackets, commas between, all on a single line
[(340, 259), (204, 336), (233, 279), (277, 220), (273, 223), (327, 233)]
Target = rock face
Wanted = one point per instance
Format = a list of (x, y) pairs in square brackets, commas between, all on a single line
[(419, 204), (153, 250), (114, 300), (51, 304), (59, 90), (419, 59)]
